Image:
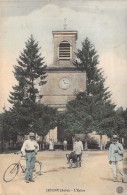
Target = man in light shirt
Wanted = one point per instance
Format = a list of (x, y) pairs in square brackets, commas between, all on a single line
[(78, 149), (115, 156), (29, 150), (65, 144)]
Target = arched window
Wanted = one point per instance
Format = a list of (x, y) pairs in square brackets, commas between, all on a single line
[(64, 50)]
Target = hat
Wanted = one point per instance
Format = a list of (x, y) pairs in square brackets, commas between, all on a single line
[(115, 137), (78, 138), (31, 134)]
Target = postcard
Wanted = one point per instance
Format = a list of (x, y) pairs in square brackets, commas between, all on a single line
[(56, 136)]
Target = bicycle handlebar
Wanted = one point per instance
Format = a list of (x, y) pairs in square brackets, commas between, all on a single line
[(19, 152), (21, 157)]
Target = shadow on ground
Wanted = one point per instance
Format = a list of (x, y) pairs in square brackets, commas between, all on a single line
[(106, 179), (55, 169)]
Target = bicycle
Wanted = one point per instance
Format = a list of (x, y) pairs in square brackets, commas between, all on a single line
[(73, 161), (13, 170)]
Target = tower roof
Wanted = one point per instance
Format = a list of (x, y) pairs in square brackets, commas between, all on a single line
[(66, 32)]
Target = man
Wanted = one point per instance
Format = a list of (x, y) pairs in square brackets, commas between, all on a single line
[(78, 148), (72, 159), (115, 155), (51, 145), (65, 144), (29, 150)]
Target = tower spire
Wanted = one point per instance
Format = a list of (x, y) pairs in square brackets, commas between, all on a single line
[(65, 23)]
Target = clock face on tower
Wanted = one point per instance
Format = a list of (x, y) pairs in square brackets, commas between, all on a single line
[(64, 83)]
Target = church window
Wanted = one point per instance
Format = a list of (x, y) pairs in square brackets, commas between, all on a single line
[(64, 50)]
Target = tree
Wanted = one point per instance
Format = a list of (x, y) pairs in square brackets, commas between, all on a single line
[(125, 129), (30, 73), (78, 119), (116, 125), (125, 119), (104, 122), (10, 127), (120, 123), (1, 132), (88, 62), (18, 120), (103, 109)]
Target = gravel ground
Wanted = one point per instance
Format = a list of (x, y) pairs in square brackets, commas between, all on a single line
[(93, 178)]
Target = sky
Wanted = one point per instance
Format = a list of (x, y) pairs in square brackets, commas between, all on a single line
[(103, 22)]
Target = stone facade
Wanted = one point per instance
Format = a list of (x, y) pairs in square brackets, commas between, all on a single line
[(56, 95)]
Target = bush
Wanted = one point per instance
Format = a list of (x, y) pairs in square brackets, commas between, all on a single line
[(92, 143)]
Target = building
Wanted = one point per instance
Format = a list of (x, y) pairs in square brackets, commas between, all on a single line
[(64, 80)]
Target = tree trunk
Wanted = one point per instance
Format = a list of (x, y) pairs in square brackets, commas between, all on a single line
[(123, 141), (101, 146), (1, 135), (43, 145), (73, 141), (86, 142), (2, 143)]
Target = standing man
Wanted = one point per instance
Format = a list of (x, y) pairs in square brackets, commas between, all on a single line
[(51, 145), (115, 155), (65, 144), (78, 149), (29, 150)]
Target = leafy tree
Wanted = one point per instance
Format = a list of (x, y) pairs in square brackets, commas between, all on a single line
[(116, 125), (104, 122), (1, 133), (10, 129), (125, 117), (44, 119), (125, 129), (78, 119), (18, 120), (120, 123)]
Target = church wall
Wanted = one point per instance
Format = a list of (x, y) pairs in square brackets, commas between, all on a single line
[(52, 93)]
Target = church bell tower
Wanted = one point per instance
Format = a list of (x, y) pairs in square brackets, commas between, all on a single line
[(64, 48), (64, 80)]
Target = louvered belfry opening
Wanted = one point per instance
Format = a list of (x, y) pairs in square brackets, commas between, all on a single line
[(64, 50)]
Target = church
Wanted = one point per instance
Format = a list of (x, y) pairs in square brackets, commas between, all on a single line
[(64, 80)]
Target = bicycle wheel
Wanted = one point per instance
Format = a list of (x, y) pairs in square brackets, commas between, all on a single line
[(11, 172), (37, 169)]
